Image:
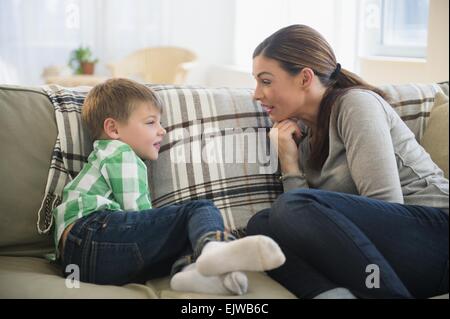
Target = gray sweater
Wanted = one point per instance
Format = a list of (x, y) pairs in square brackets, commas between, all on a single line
[(374, 154)]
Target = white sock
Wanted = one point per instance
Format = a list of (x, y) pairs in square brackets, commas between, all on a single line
[(252, 253), (236, 282), (189, 279), (336, 293)]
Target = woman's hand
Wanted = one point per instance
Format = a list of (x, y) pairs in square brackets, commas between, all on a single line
[(284, 135)]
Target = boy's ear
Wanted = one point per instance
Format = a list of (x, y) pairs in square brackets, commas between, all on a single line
[(111, 129)]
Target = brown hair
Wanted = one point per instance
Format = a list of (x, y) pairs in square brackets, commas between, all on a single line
[(114, 98), (298, 46)]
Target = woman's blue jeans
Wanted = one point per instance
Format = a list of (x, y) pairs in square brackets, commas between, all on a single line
[(122, 247), (338, 240)]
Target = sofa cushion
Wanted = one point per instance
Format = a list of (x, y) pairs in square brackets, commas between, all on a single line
[(239, 189), (413, 103), (216, 148), (435, 138), (27, 138), (261, 286), (444, 86), (28, 277)]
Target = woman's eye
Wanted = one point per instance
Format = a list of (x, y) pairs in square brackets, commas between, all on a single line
[(265, 82), (150, 123)]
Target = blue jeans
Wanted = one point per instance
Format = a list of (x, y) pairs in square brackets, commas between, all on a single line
[(330, 239), (122, 247)]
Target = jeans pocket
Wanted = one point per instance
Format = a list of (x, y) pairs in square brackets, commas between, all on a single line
[(113, 263)]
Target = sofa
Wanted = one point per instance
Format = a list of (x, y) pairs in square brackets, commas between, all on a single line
[(219, 134)]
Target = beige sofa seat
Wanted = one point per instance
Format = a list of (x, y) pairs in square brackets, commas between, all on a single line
[(30, 277), (261, 286)]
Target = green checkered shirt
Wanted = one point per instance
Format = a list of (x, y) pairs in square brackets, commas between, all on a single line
[(114, 178)]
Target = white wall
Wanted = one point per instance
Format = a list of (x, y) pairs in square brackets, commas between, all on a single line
[(435, 68), (438, 43), (207, 28), (258, 19), (204, 26)]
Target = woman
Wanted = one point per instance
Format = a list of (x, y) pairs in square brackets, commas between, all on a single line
[(365, 210)]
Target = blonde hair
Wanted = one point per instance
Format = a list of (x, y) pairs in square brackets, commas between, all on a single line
[(114, 98)]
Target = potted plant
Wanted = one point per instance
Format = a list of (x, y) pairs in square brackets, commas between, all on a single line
[(82, 61)]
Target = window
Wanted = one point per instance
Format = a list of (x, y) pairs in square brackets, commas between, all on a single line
[(396, 28), (29, 42)]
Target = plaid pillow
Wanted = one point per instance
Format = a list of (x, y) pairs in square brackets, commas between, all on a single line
[(217, 143), (413, 102), (216, 148)]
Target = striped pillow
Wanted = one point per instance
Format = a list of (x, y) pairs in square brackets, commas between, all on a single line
[(413, 102), (216, 148), (208, 128)]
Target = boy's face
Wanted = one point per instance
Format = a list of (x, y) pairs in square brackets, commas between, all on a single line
[(143, 131)]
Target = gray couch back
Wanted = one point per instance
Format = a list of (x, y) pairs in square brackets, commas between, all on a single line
[(27, 138)]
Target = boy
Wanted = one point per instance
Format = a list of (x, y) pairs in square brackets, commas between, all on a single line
[(106, 224)]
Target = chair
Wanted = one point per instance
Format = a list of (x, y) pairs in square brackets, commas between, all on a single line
[(160, 65)]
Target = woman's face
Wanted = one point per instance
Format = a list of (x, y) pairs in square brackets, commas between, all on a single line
[(279, 92)]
